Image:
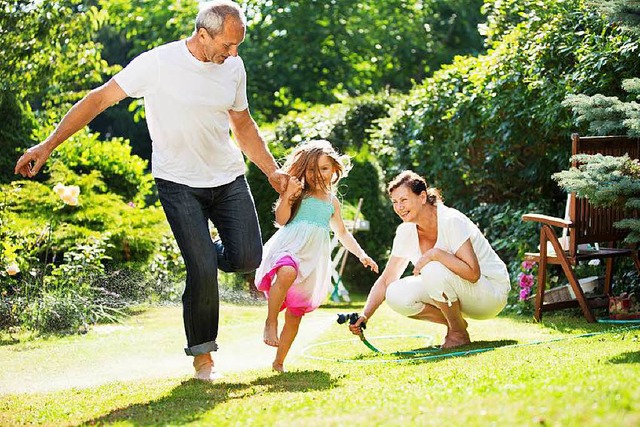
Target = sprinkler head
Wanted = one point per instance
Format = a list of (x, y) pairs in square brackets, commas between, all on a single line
[(352, 318)]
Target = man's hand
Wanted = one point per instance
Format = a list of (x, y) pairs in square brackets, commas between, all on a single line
[(278, 180), (30, 163)]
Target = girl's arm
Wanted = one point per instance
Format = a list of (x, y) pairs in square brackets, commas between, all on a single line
[(392, 272), (347, 239), (286, 200), (464, 263)]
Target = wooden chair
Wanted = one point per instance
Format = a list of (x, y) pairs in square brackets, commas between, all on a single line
[(586, 226)]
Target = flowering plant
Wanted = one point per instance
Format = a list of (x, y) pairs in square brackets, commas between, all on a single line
[(525, 279), (12, 268), (68, 193)]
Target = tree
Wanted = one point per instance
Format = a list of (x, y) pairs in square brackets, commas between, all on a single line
[(316, 51), (48, 54), (606, 180)]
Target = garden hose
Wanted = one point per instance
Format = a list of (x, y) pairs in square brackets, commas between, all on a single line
[(368, 344), (352, 318), (632, 325)]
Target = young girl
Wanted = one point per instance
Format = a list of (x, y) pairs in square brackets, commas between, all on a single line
[(295, 272)]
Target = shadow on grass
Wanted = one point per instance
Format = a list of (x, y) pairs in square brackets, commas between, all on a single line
[(568, 321), (431, 353), (628, 357), (191, 399)]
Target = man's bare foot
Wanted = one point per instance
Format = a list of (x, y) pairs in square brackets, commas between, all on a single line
[(203, 364), (456, 339), (279, 367), (270, 336)]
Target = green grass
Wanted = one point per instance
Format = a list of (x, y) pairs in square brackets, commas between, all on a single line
[(568, 382)]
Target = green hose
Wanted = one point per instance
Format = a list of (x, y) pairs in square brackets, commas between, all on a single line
[(451, 354)]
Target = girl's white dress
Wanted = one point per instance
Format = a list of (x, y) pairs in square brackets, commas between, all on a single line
[(304, 244)]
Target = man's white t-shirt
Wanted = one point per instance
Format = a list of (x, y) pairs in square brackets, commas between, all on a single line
[(454, 228), (186, 103)]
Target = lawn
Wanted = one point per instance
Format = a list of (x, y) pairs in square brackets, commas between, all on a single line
[(134, 373)]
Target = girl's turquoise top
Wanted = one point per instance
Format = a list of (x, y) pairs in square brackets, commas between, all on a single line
[(314, 211)]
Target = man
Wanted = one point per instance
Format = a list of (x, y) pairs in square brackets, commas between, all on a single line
[(194, 92)]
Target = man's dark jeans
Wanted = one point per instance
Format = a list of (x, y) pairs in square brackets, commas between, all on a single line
[(231, 209)]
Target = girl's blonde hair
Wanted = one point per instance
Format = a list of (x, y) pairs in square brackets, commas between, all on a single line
[(305, 158)]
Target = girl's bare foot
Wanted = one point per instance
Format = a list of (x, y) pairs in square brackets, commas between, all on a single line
[(270, 336), (279, 367), (456, 339)]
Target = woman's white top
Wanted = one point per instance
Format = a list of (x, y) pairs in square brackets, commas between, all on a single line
[(454, 228)]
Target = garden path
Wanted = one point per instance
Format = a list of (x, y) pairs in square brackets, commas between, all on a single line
[(145, 346)]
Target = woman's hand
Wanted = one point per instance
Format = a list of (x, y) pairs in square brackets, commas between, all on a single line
[(355, 328), (367, 261), (425, 259)]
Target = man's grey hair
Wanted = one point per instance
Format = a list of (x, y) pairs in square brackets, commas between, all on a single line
[(212, 15)]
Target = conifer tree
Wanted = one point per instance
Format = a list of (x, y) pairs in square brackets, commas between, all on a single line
[(608, 180)]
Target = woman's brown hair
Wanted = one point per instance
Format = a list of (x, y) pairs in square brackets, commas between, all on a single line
[(416, 184)]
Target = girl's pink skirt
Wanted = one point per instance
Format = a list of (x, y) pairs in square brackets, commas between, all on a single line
[(296, 303)]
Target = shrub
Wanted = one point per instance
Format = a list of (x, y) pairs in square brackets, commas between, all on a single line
[(15, 132), (70, 252), (366, 181), (34, 208), (121, 172), (58, 311), (493, 128)]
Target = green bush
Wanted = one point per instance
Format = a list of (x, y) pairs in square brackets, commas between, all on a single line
[(121, 172), (76, 263), (492, 129), (66, 297), (15, 133), (366, 181), (59, 311)]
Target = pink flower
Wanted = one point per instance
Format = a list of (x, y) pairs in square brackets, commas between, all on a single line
[(524, 293), (526, 280), (528, 265)]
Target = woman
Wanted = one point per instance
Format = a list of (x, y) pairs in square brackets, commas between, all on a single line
[(456, 273)]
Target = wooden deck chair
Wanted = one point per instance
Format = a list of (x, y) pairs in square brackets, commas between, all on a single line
[(587, 226)]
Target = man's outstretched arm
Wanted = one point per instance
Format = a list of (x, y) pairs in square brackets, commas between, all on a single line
[(85, 110)]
